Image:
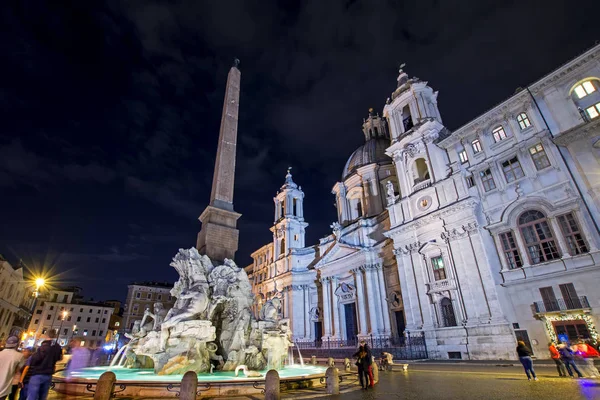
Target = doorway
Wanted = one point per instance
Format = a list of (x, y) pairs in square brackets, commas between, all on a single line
[(351, 322), (318, 333), (400, 324)]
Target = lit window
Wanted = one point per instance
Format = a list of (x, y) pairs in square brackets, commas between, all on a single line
[(593, 111), (487, 180), (439, 272), (584, 89), (117, 324), (523, 121), (511, 252), (85, 332), (476, 146), (538, 237), (572, 234), (463, 156), (499, 134), (512, 169), (470, 181), (539, 157)]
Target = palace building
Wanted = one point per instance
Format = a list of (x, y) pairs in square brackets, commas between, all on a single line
[(473, 238)]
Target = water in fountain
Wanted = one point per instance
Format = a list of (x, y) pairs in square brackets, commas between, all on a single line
[(121, 352), (300, 355)]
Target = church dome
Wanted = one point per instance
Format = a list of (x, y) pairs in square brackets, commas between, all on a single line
[(373, 151)]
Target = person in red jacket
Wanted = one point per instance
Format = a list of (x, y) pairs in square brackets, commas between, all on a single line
[(560, 366)]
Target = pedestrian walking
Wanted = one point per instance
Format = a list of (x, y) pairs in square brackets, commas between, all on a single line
[(566, 355), (16, 382), (42, 367), (560, 366), (363, 378), (586, 354), (26, 376), (10, 362), (524, 354), (368, 363)]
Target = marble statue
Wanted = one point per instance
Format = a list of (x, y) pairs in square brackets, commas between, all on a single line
[(210, 326), (157, 317), (247, 374), (391, 194), (270, 311)]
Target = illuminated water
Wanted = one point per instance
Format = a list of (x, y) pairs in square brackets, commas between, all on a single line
[(148, 375)]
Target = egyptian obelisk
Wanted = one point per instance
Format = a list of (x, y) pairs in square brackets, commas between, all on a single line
[(218, 238)]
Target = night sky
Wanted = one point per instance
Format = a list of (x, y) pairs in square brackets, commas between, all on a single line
[(111, 110)]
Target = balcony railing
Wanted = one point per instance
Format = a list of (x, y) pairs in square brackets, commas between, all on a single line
[(441, 285), (421, 184), (578, 303)]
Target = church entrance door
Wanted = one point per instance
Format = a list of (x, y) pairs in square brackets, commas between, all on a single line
[(351, 321), (400, 324)]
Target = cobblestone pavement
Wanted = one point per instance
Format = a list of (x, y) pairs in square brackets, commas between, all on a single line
[(450, 382), (475, 382)]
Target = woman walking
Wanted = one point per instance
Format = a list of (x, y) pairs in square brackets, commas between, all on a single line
[(525, 358)]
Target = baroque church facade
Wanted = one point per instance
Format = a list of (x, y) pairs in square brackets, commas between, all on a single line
[(474, 238)]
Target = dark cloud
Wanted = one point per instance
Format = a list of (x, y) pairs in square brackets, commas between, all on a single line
[(111, 109)]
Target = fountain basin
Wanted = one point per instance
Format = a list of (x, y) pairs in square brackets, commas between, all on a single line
[(145, 383)]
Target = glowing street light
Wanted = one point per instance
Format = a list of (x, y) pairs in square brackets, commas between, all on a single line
[(64, 316)]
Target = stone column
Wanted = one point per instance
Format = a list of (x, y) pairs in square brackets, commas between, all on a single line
[(371, 296), (385, 311), (326, 307), (336, 310), (189, 386), (361, 299), (332, 381), (272, 388), (105, 386), (306, 309)]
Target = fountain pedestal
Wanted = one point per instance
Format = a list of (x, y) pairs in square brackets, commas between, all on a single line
[(185, 350)]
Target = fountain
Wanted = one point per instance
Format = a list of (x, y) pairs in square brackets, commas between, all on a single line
[(210, 330)]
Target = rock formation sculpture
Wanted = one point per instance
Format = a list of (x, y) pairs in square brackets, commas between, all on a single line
[(211, 325)]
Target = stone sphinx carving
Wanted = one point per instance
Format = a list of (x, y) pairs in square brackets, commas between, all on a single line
[(210, 325)]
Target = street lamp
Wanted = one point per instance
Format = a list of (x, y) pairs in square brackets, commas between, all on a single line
[(64, 316), (39, 283)]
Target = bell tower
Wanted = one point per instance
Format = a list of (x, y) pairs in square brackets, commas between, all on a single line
[(289, 226)]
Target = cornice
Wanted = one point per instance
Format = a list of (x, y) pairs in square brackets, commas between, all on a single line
[(573, 134)]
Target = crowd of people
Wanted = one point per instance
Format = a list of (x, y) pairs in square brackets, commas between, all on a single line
[(577, 357), (27, 374)]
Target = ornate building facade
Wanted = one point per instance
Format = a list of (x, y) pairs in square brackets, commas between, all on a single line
[(475, 238)]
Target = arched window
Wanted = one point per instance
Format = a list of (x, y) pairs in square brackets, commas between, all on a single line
[(407, 121), (282, 249), (499, 133), (448, 317), (523, 121), (586, 96), (538, 237), (421, 171)]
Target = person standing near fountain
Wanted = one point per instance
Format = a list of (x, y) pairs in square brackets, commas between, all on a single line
[(10, 362), (42, 367)]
